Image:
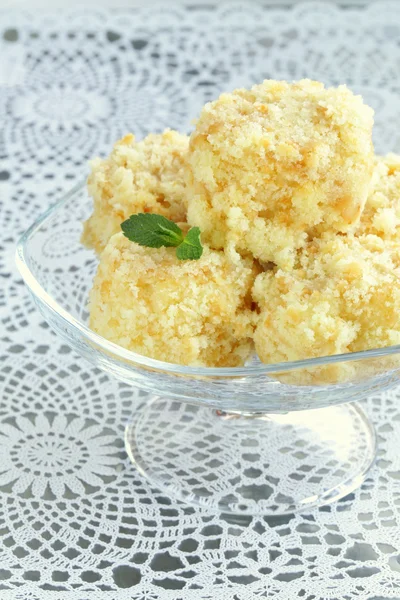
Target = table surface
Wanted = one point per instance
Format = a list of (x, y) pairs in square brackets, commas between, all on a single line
[(85, 525)]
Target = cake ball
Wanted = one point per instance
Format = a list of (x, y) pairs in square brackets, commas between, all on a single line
[(276, 164), (193, 312), (381, 215), (144, 176), (342, 296)]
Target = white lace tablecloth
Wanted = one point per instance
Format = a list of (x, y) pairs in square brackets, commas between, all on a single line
[(77, 522)]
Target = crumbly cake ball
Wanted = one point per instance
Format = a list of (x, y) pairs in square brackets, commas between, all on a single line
[(272, 164), (145, 176), (343, 296), (193, 312), (381, 215)]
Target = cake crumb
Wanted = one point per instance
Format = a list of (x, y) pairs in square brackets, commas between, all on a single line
[(144, 176), (193, 312), (277, 164)]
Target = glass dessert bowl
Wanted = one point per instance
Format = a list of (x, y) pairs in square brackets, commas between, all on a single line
[(260, 439)]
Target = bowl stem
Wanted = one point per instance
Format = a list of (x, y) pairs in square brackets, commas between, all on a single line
[(266, 464)]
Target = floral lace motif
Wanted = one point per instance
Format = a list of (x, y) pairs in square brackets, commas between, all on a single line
[(76, 518)]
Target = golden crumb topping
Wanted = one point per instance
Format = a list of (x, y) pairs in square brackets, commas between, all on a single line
[(271, 165), (381, 214), (145, 176), (300, 225), (193, 312), (343, 296)]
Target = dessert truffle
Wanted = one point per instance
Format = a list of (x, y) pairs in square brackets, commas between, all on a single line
[(144, 176), (276, 164), (193, 312), (342, 296)]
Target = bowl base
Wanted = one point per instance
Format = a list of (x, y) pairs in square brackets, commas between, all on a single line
[(251, 464)]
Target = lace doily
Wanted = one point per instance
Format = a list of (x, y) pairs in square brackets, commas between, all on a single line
[(77, 522)]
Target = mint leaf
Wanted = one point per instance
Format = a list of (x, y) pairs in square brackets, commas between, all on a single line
[(154, 231), (190, 248)]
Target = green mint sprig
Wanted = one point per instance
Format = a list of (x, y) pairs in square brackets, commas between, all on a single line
[(190, 248), (154, 231)]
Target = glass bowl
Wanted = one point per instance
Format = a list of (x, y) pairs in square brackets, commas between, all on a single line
[(260, 439)]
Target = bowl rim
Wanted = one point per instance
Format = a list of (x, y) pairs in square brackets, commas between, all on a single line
[(139, 360)]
